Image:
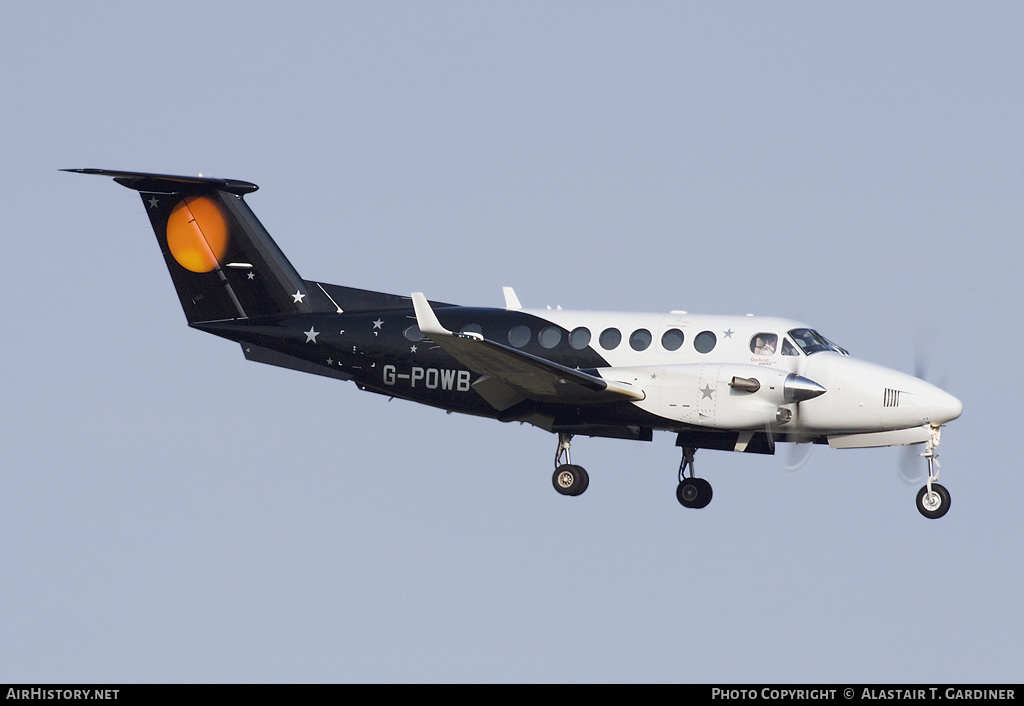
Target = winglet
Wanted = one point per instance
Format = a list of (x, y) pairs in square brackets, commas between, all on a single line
[(511, 300), (426, 319)]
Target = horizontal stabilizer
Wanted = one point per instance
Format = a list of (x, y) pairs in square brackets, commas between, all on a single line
[(169, 183)]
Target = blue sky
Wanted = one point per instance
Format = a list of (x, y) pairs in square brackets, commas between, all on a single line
[(171, 513)]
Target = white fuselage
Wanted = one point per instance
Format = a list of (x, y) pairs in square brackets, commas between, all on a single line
[(702, 382)]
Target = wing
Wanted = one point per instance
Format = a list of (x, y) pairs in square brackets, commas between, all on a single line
[(510, 375)]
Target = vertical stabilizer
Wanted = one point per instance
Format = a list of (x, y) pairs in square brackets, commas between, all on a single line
[(222, 261)]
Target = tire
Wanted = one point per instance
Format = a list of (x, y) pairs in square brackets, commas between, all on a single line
[(693, 493), (584, 480), (570, 480), (687, 493), (934, 505), (704, 493)]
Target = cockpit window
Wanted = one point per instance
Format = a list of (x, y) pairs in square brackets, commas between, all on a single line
[(788, 348), (763, 344), (811, 342)]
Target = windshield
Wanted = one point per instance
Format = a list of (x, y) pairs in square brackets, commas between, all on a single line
[(810, 342)]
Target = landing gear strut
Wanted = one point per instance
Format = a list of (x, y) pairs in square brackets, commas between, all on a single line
[(933, 499), (568, 479), (691, 492)]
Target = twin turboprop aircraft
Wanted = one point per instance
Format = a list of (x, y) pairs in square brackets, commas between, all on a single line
[(717, 382)]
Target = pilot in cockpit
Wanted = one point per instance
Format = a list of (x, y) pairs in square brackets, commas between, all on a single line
[(764, 344)]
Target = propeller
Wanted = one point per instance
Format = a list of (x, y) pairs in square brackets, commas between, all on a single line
[(923, 338), (798, 455), (912, 468), (797, 388)]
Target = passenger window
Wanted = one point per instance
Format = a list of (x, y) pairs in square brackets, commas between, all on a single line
[(764, 344), (549, 336), (413, 334), (610, 338), (672, 340), (705, 342), (640, 339), (579, 338), (788, 348), (519, 336)]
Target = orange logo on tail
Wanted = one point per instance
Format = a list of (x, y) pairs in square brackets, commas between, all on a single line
[(197, 233)]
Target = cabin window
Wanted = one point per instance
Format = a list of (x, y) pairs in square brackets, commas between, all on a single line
[(764, 344), (579, 338), (705, 342), (413, 334), (788, 348), (549, 336), (610, 338), (519, 336), (640, 339), (672, 340)]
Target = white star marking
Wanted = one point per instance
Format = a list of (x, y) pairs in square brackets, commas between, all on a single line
[(153, 202), (728, 334), (251, 275), (413, 349), (378, 323), (298, 297), (654, 376), (311, 335), (330, 361)]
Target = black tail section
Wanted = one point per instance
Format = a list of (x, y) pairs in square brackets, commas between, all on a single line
[(223, 262)]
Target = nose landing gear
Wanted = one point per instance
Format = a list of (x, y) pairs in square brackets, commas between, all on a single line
[(933, 499)]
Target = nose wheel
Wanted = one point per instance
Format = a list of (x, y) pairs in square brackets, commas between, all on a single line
[(933, 499)]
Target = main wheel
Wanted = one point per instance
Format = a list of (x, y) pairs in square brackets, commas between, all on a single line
[(686, 492), (703, 494), (935, 504), (570, 480), (694, 493), (585, 481)]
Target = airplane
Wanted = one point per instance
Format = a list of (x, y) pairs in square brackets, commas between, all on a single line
[(732, 383)]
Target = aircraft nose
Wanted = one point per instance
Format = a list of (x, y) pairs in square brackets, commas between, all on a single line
[(943, 407)]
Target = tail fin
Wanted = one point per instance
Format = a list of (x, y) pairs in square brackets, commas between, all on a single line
[(223, 262)]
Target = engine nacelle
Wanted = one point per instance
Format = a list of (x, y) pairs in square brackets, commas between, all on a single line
[(723, 396)]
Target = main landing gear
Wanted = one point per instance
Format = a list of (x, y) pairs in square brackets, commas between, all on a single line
[(932, 499), (691, 492), (568, 479)]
